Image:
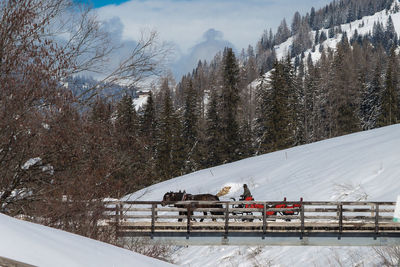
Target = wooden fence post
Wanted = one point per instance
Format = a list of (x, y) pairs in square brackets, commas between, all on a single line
[(376, 221), (188, 220), (121, 211), (153, 219), (226, 220), (302, 221), (373, 206), (116, 219), (264, 220), (340, 208)]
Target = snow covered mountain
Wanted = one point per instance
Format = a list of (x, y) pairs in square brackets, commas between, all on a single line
[(362, 27), (361, 166)]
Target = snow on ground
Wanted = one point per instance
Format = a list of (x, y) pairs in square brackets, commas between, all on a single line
[(360, 166), (47, 247)]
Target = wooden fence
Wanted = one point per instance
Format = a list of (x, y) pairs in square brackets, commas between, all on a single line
[(147, 218)]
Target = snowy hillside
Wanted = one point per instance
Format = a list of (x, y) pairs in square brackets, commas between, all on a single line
[(47, 247), (362, 26), (361, 166)]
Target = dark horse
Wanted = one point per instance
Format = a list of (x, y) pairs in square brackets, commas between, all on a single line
[(183, 196)]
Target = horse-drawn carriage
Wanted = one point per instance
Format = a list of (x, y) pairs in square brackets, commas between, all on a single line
[(283, 208)]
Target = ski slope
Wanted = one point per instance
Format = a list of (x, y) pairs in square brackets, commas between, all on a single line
[(47, 247), (360, 166)]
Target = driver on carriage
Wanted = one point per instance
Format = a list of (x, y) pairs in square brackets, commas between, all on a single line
[(246, 193)]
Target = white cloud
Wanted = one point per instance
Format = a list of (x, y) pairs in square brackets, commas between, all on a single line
[(183, 22), (211, 44)]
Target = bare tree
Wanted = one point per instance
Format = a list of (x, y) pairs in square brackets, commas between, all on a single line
[(145, 60), (160, 250), (388, 256), (30, 65), (47, 148)]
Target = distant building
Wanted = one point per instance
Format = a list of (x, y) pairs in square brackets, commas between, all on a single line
[(142, 94)]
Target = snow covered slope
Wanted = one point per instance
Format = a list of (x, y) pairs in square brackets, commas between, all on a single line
[(47, 247), (360, 166), (363, 26)]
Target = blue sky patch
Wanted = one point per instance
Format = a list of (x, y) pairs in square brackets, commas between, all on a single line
[(100, 3)]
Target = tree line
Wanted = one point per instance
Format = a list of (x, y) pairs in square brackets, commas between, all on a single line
[(217, 115)]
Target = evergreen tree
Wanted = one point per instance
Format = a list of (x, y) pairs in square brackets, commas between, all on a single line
[(178, 153), (312, 21), (101, 112), (148, 134), (283, 32), (344, 93), (322, 37), (296, 23), (279, 134), (378, 34), (126, 120), (351, 14), (165, 136), (214, 137), (316, 38), (390, 39), (310, 103), (331, 32), (190, 128), (148, 123), (302, 41), (389, 99), (323, 105), (228, 108), (370, 106), (129, 150), (295, 96)]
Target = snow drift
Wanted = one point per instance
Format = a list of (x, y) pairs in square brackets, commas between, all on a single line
[(47, 247)]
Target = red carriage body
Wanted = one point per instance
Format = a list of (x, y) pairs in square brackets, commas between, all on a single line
[(292, 209)]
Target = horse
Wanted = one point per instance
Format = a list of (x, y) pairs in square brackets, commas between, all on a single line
[(174, 197), (183, 196)]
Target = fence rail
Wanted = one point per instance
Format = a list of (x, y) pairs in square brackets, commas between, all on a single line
[(297, 218)]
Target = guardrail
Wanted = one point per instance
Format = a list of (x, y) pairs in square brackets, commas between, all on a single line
[(202, 218)]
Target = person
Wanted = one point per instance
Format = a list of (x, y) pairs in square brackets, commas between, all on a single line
[(246, 192)]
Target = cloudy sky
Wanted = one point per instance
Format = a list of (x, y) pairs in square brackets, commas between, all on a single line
[(198, 28)]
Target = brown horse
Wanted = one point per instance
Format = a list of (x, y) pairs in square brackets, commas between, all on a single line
[(182, 196)]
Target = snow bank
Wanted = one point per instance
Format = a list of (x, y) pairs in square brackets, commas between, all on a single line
[(47, 247)]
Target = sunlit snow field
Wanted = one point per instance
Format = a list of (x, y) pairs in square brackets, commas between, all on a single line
[(361, 166)]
